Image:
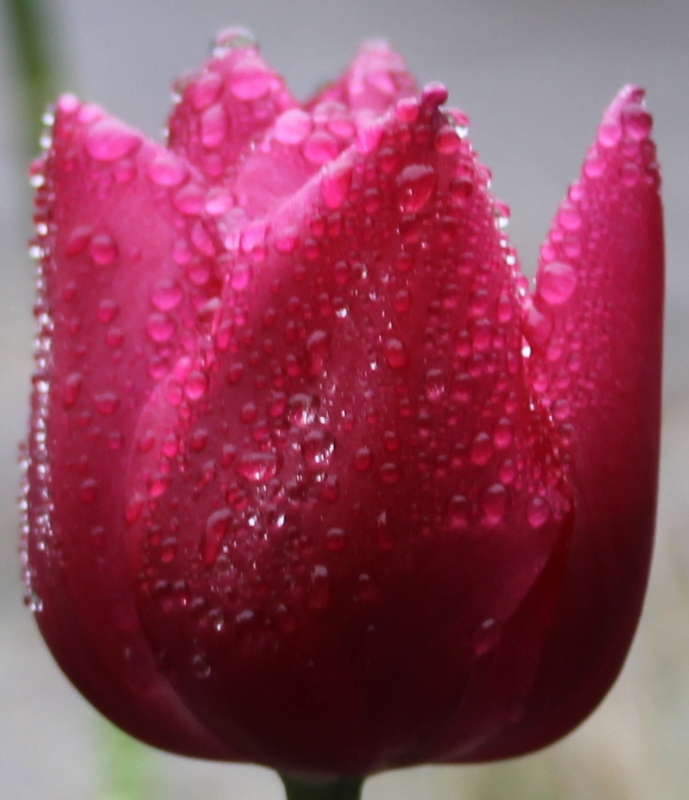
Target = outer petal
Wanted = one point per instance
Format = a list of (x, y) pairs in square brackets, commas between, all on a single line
[(375, 80), (231, 101), (106, 224), (596, 332), (359, 497)]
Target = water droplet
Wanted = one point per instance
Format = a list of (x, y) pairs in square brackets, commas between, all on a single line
[(213, 126), (335, 539), (167, 169), (107, 310), (609, 134), (258, 467), (292, 126), (106, 402), (435, 385), (250, 79), (396, 353), (301, 409), (205, 90), (200, 667), (389, 473), (415, 185), (109, 140), (362, 459), (556, 282), (72, 389), (195, 385), (335, 184), (319, 597), (317, 448), (317, 349), (103, 249), (494, 504), (87, 490), (320, 148), (330, 488), (481, 449), (637, 122), (217, 527), (233, 38), (160, 328), (537, 512), (166, 295), (487, 636), (458, 511)]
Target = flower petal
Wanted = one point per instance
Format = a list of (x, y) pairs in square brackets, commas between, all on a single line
[(359, 444), (595, 327), (106, 223), (375, 80), (233, 99)]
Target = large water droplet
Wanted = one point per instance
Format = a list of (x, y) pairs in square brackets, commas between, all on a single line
[(258, 467), (109, 140), (556, 282), (292, 126)]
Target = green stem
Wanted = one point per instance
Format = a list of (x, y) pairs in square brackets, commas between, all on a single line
[(346, 788), (29, 28)]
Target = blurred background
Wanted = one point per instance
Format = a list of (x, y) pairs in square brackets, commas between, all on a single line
[(534, 77)]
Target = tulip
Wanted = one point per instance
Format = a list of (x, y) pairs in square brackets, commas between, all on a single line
[(314, 478)]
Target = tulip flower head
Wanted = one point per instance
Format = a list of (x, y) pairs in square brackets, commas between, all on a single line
[(315, 478)]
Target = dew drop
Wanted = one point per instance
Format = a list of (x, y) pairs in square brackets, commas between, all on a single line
[(103, 249), (217, 527), (317, 349), (335, 539), (415, 185), (160, 328), (109, 140), (362, 459), (556, 282), (107, 402), (486, 637), (320, 148), (494, 503), (301, 409), (250, 79), (292, 126), (167, 169), (396, 354), (317, 448), (537, 512), (319, 597), (435, 385), (257, 467), (335, 185), (458, 511), (166, 295), (72, 388)]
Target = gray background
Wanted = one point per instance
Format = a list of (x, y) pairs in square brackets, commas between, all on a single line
[(534, 76)]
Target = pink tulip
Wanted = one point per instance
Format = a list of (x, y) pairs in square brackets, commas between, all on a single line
[(315, 479)]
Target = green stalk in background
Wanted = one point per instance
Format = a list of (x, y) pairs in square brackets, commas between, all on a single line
[(37, 67)]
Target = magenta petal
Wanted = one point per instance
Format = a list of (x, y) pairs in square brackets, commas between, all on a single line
[(95, 360), (234, 98), (362, 437), (595, 327)]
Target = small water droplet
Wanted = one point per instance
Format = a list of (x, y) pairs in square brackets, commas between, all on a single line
[(103, 249), (494, 504), (487, 636), (319, 597), (537, 512), (301, 409), (317, 448), (250, 78), (396, 354), (415, 185), (335, 539), (217, 527), (160, 328)]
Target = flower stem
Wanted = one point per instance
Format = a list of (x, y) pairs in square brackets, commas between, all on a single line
[(346, 788)]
